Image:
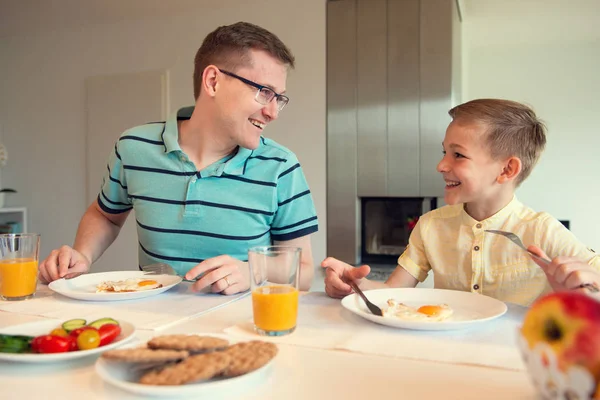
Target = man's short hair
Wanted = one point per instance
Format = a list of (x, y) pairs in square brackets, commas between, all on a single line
[(228, 48)]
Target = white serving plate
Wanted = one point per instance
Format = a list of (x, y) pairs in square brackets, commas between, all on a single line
[(44, 327), (83, 287), (470, 309)]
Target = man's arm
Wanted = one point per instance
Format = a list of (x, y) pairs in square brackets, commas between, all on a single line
[(307, 268), (97, 231)]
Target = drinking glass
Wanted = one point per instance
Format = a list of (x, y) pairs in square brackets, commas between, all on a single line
[(19, 256), (274, 282)]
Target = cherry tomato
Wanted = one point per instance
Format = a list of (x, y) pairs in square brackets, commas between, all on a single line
[(108, 333), (72, 343), (88, 339), (59, 332), (50, 344), (75, 333)]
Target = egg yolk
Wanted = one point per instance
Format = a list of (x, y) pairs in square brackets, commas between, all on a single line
[(147, 283), (430, 310)]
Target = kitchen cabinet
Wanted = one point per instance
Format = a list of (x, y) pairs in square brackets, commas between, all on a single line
[(406, 81), (393, 72)]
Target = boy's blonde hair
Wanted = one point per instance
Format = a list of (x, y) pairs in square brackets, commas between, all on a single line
[(513, 130)]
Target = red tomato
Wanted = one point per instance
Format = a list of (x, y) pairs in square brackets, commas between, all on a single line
[(75, 333), (50, 344), (108, 333), (72, 343)]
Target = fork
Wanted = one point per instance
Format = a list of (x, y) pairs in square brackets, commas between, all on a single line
[(162, 269), (372, 307), (516, 240), (158, 269)]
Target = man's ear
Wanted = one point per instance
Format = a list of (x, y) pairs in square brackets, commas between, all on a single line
[(210, 80), (512, 168)]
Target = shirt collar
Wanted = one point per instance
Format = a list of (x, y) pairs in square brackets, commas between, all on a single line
[(495, 219), (235, 165), (171, 132)]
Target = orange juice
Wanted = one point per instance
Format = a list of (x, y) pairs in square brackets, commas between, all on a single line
[(275, 307), (18, 277)]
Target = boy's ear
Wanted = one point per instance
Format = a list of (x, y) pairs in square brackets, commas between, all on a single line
[(512, 168)]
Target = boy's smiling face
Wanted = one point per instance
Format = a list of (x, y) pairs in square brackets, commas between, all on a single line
[(470, 173)]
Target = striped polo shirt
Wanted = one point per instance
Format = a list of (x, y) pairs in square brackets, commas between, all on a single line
[(184, 216)]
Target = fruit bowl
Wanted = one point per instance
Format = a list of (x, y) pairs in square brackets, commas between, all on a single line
[(560, 345)]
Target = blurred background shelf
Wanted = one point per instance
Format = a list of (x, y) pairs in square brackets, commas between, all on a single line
[(13, 220)]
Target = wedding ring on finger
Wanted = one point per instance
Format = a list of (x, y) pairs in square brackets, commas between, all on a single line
[(227, 281)]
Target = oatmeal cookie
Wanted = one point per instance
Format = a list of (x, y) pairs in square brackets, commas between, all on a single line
[(143, 354), (194, 368), (191, 343), (249, 356)]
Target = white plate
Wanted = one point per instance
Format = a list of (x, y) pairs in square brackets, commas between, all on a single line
[(84, 286), (469, 308), (121, 376), (44, 328)]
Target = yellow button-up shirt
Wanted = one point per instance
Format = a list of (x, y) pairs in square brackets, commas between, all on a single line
[(464, 257)]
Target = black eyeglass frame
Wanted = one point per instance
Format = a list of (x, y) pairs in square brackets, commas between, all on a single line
[(280, 103)]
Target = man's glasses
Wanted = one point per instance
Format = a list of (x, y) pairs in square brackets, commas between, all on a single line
[(264, 95)]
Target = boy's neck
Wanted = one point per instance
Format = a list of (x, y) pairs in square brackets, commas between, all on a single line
[(485, 208)]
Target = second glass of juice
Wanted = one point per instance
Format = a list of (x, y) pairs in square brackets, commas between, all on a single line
[(19, 254), (274, 281)]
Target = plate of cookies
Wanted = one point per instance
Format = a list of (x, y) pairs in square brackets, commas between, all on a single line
[(184, 365)]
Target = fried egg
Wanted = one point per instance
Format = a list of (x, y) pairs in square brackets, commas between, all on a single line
[(128, 285), (429, 312)]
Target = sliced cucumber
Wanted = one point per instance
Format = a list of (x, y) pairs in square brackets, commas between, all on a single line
[(73, 324), (102, 321)]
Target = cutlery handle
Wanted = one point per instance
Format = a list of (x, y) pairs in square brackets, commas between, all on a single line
[(542, 259)]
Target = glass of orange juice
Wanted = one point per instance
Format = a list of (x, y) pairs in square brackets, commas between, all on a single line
[(19, 254), (274, 280)]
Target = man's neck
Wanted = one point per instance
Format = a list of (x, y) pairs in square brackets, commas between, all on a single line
[(202, 142)]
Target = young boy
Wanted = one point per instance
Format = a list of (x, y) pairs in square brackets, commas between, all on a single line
[(490, 147)]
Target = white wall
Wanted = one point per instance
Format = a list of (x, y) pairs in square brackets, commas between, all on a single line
[(548, 57), (44, 65)]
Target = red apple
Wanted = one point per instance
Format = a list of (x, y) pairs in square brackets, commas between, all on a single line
[(569, 323)]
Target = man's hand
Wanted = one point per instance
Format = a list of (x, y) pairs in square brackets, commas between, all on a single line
[(567, 273), (224, 274), (338, 274), (61, 262)]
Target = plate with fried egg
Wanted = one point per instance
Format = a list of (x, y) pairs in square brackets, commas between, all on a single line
[(427, 309), (113, 286)]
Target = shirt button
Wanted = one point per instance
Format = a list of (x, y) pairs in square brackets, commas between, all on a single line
[(182, 158), (476, 287), (478, 226), (194, 179), (476, 248)]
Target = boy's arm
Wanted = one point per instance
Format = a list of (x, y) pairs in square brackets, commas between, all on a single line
[(400, 278)]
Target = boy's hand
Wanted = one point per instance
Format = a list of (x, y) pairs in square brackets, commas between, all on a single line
[(338, 274), (567, 273)]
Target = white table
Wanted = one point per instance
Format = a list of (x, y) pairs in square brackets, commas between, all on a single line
[(298, 373)]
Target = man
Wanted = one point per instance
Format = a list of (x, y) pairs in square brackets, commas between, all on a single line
[(205, 185)]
